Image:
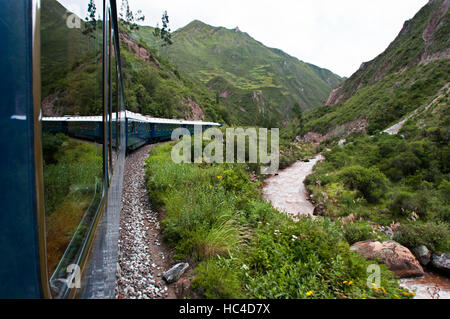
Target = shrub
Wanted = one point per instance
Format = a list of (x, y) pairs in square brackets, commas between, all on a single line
[(51, 144), (434, 235), (357, 232), (403, 204), (313, 179), (218, 279), (369, 181)]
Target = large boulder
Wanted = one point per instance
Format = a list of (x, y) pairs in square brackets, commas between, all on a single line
[(422, 254), (396, 257), (441, 262)]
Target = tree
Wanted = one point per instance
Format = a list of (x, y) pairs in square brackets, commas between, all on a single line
[(164, 33), (129, 18), (166, 36), (91, 23)]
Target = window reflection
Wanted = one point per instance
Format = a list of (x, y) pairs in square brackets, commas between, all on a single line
[(71, 68)]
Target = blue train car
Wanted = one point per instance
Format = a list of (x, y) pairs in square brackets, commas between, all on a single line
[(89, 128), (56, 125)]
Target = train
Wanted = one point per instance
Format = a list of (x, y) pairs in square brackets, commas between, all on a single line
[(61, 176), (140, 129)]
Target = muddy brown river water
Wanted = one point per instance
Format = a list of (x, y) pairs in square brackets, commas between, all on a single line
[(286, 190), (287, 193)]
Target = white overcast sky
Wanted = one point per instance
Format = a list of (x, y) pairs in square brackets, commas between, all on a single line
[(337, 35)]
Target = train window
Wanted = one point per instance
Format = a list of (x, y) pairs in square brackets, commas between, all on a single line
[(71, 69)]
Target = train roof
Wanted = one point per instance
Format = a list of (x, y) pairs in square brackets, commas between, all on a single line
[(150, 119), (129, 115)]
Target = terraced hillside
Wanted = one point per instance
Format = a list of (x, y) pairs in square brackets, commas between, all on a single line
[(252, 79)]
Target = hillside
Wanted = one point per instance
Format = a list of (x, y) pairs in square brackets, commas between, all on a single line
[(410, 74), (249, 77), (392, 117), (71, 75), (423, 39), (153, 86)]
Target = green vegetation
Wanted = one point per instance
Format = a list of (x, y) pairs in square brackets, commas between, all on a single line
[(70, 62), (434, 235), (248, 77), (72, 185), (71, 169), (386, 102), (386, 178), (243, 248), (155, 87), (423, 36)]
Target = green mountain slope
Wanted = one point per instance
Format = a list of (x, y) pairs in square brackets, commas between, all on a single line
[(422, 39), (72, 73), (396, 176), (408, 75), (258, 78), (153, 86)]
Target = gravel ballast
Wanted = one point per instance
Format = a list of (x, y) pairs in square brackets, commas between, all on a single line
[(142, 255)]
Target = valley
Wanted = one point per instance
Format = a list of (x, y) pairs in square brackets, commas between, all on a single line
[(382, 179), (364, 174)]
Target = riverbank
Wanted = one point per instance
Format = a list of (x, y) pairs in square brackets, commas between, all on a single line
[(287, 193), (239, 246)]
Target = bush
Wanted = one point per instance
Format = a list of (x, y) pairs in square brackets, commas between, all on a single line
[(369, 181), (218, 279), (357, 232), (403, 204), (51, 144), (434, 235)]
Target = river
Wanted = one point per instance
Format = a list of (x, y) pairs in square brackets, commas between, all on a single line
[(286, 190), (287, 193)]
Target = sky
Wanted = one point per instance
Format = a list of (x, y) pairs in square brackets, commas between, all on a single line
[(337, 35)]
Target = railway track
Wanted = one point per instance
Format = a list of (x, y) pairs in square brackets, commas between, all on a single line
[(142, 255)]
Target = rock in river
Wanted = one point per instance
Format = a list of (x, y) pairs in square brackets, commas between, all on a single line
[(423, 255), (396, 257), (442, 263)]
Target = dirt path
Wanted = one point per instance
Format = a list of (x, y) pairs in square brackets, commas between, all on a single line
[(142, 256)]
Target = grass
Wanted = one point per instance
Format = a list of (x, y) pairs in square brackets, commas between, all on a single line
[(61, 225), (241, 247), (71, 172)]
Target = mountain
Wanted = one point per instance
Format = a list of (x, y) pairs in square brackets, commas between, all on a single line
[(412, 72), (60, 46), (72, 72), (247, 76), (423, 39)]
